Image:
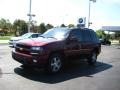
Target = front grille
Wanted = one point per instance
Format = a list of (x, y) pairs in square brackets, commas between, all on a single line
[(23, 46), (25, 49)]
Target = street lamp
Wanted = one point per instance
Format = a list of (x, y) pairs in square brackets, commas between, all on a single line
[(30, 16), (89, 12)]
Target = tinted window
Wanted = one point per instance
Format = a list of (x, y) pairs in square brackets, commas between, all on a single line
[(34, 35), (94, 36), (86, 35), (77, 33)]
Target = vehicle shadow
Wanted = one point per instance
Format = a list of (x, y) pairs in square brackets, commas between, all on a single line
[(72, 71)]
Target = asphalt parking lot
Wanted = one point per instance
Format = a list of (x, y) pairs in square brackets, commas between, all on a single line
[(77, 76)]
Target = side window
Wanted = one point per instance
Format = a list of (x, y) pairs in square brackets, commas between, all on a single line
[(86, 35), (94, 36), (77, 33), (34, 35)]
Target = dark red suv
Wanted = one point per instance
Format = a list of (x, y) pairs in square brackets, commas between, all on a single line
[(56, 46)]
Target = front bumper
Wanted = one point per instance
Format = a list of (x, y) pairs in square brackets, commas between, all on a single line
[(29, 60)]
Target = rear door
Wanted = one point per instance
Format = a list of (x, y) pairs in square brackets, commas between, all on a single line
[(86, 46)]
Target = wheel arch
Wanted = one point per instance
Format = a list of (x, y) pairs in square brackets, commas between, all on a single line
[(60, 52), (96, 49)]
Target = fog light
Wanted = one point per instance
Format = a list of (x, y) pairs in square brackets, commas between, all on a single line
[(35, 61)]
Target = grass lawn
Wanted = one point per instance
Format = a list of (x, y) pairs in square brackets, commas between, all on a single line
[(5, 37), (115, 41)]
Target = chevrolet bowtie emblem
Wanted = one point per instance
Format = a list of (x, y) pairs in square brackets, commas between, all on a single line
[(21, 49)]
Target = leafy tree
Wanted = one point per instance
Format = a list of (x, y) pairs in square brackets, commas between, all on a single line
[(101, 33), (62, 25), (49, 26), (42, 28), (5, 25), (71, 25), (9, 26), (117, 36), (20, 27)]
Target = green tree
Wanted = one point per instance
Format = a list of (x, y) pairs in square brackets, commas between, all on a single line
[(20, 27), (62, 25), (5, 25), (71, 25), (101, 33), (42, 28), (49, 26), (117, 35)]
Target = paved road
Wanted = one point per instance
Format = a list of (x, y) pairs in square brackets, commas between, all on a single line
[(77, 76)]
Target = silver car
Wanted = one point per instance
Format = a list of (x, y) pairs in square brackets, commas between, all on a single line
[(13, 40)]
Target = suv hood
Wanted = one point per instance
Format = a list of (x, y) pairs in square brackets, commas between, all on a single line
[(36, 41)]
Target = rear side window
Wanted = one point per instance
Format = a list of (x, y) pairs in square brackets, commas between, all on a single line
[(94, 36), (86, 35)]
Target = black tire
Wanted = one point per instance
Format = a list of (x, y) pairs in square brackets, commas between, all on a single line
[(55, 63), (109, 43), (92, 58)]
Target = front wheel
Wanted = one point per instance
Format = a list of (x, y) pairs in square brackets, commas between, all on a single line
[(55, 63), (92, 59)]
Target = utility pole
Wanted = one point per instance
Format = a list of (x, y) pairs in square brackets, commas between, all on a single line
[(30, 16), (89, 22)]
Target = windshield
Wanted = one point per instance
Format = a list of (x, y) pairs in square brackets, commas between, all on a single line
[(27, 35), (57, 33)]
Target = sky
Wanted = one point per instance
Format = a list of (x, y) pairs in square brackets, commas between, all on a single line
[(56, 12)]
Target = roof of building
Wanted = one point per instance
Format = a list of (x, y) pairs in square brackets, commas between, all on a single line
[(111, 28)]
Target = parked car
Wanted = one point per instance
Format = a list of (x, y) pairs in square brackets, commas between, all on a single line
[(56, 46), (105, 41), (13, 40)]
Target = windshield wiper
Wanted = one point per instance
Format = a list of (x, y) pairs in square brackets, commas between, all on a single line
[(52, 37)]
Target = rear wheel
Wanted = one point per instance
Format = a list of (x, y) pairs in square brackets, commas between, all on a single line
[(109, 43), (92, 59), (55, 63)]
